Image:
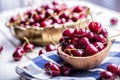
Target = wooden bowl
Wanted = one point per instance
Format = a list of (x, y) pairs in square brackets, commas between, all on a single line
[(85, 62)]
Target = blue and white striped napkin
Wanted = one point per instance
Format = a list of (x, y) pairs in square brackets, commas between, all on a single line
[(34, 69)]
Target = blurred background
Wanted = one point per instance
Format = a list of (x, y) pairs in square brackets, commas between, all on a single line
[(12, 4)]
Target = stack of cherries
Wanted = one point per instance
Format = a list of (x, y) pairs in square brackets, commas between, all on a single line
[(48, 14), (111, 73), (85, 41)]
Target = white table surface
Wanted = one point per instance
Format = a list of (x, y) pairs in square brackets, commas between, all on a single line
[(9, 42)]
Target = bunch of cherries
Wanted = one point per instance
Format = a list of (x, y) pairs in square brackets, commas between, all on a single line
[(85, 41), (111, 73), (48, 14), (21, 50), (54, 69)]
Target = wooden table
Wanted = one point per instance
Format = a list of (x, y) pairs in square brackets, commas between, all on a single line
[(10, 42)]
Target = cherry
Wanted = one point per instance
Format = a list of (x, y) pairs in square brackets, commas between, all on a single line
[(31, 21), (104, 32), (106, 75), (80, 32), (91, 50), (65, 15), (17, 55), (41, 17), (95, 27), (75, 41), (66, 69), (78, 9), (56, 19), (61, 39), (55, 3), (101, 38), (12, 19), (68, 32), (113, 68), (44, 23), (69, 49), (37, 24), (83, 42), (49, 12), (42, 51), (100, 46), (50, 47), (48, 6), (75, 16), (1, 48), (28, 47), (63, 20), (29, 13), (38, 10), (52, 69), (90, 35), (78, 53), (36, 17), (114, 21), (57, 9)]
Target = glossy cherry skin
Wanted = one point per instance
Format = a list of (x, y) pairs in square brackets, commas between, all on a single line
[(69, 48), (80, 32), (90, 36), (114, 21), (42, 51), (17, 55), (95, 27), (75, 16), (66, 69), (104, 32), (101, 38), (1, 48), (100, 46), (78, 53), (106, 75), (52, 69), (28, 47), (68, 32), (78, 9), (113, 68), (50, 47), (83, 42), (44, 23), (91, 50)]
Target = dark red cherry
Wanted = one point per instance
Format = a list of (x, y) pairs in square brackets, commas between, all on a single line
[(61, 39), (75, 16), (106, 75), (57, 9), (78, 9), (104, 32), (37, 24), (91, 50), (100, 46), (49, 12), (50, 47), (28, 47), (41, 17), (63, 20), (77, 52), (52, 69), (83, 42), (12, 19), (95, 27), (113, 68), (75, 41), (38, 10), (42, 51), (56, 19), (101, 38), (1, 48), (65, 15), (114, 21), (55, 3), (17, 55), (36, 17), (69, 48), (66, 69), (90, 35), (68, 32), (48, 6), (80, 32)]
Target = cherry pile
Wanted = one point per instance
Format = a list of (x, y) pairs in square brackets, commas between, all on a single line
[(48, 14), (49, 47), (54, 69), (21, 50), (84, 41), (111, 73)]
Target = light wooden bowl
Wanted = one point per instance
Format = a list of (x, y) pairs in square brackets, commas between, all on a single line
[(85, 62)]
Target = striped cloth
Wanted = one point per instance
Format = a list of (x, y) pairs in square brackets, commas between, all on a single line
[(34, 69)]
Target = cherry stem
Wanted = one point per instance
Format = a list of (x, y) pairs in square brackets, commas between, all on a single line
[(64, 26), (88, 11), (114, 36), (49, 36)]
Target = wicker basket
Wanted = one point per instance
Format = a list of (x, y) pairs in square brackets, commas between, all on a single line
[(85, 62)]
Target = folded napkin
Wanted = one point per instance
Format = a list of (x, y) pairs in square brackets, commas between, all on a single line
[(34, 69)]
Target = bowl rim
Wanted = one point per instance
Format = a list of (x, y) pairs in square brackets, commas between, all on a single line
[(84, 57)]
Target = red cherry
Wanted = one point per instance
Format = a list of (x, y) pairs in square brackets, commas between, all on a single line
[(36, 17), (90, 35), (101, 38), (44, 23), (28, 47), (38, 10), (114, 21), (17, 55), (12, 19), (68, 32), (78, 53), (106, 75), (91, 50), (48, 6), (75, 41), (104, 32), (49, 12), (113, 68), (52, 69), (95, 27), (80, 32), (63, 20), (1, 48), (69, 48), (50, 47), (78, 9), (100, 46), (41, 17), (66, 69), (37, 24), (55, 3), (75, 16), (42, 51), (57, 9), (83, 42), (65, 15)]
